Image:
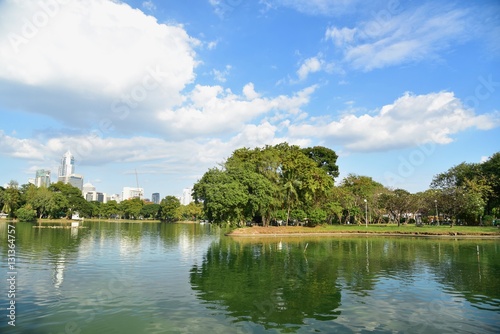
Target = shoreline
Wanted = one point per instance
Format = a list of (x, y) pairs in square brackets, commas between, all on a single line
[(292, 231)]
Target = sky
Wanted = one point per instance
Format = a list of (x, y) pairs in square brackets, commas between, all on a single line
[(154, 93)]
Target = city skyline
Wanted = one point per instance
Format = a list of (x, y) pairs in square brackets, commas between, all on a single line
[(154, 93)]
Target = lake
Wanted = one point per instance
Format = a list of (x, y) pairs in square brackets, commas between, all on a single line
[(109, 277)]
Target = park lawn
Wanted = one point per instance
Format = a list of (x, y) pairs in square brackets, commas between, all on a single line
[(390, 229)]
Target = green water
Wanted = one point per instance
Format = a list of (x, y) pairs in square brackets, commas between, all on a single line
[(175, 278)]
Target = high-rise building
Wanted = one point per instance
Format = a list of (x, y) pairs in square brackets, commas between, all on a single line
[(129, 192), (42, 178), (67, 165), (156, 198), (67, 171), (186, 197), (76, 180)]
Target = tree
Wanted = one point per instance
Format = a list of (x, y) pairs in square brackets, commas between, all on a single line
[(110, 209), (73, 195), (358, 189), (151, 211), (131, 208), (41, 201), (11, 198), (398, 203), (473, 186), (258, 183), (169, 206), (325, 159), (491, 171), (26, 214)]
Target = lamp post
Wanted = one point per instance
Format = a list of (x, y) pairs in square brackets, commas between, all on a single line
[(366, 212), (437, 214)]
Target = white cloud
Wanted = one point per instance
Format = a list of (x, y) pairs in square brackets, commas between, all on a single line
[(314, 7), (411, 120), (340, 37), (211, 110), (149, 5), (400, 37), (221, 75), (310, 65), (102, 58), (249, 91)]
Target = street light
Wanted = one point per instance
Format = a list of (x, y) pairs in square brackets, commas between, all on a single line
[(437, 214), (366, 212)]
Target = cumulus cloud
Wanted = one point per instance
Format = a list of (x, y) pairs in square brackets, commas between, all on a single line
[(215, 110), (88, 58), (102, 64), (411, 120)]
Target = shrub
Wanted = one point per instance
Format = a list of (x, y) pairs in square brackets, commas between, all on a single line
[(317, 216), (26, 214)]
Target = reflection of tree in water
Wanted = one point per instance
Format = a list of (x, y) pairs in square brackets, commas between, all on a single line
[(267, 283), (276, 284)]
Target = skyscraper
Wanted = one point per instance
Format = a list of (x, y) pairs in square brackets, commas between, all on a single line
[(67, 171), (67, 165), (156, 198), (42, 178), (186, 197)]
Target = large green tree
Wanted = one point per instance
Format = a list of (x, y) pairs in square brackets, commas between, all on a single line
[(169, 206), (261, 183)]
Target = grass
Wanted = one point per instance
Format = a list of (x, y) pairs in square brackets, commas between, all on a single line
[(371, 229)]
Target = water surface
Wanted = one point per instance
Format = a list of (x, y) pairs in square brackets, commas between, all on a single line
[(189, 278)]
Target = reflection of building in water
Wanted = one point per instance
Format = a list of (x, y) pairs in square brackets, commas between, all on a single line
[(186, 246), (129, 246), (58, 276)]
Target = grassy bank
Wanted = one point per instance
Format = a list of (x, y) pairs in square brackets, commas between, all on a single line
[(477, 231)]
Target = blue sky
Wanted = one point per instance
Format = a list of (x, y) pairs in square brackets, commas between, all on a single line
[(401, 90)]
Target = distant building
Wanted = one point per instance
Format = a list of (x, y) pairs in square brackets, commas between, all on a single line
[(186, 197), (67, 171), (129, 192), (95, 196), (42, 178), (88, 187), (90, 194), (156, 198), (113, 197), (76, 180)]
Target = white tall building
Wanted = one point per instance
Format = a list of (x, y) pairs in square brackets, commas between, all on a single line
[(67, 171), (67, 165), (130, 192), (186, 197)]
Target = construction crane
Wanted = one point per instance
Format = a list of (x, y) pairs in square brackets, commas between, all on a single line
[(137, 183), (136, 179)]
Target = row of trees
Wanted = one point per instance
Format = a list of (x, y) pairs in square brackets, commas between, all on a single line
[(28, 202), (287, 183)]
